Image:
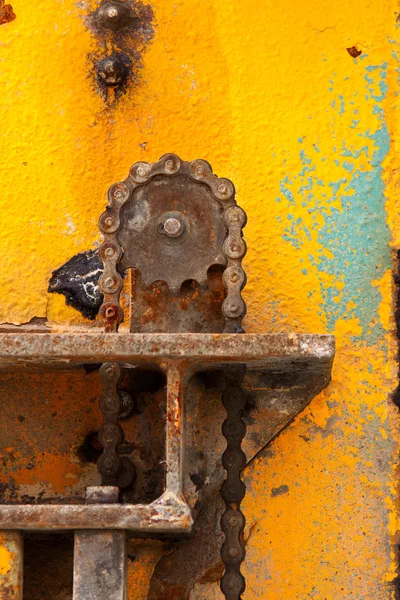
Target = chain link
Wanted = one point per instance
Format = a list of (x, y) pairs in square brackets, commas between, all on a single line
[(234, 307), (233, 489), (114, 470)]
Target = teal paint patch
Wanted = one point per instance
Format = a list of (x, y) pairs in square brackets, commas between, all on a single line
[(357, 235)]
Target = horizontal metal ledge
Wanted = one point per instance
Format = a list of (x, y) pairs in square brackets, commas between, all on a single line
[(157, 517), (71, 349)]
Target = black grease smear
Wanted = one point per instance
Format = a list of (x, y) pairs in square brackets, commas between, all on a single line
[(78, 280)]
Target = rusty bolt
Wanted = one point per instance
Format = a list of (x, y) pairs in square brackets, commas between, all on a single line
[(173, 227), (114, 16), (112, 70)]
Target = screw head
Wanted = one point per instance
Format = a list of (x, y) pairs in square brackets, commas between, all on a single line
[(173, 227)]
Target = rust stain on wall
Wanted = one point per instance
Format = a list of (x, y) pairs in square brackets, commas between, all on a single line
[(122, 31)]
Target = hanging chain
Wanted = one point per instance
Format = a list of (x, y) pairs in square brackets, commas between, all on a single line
[(114, 470), (233, 489)]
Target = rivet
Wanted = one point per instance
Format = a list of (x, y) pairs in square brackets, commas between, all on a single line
[(109, 282), (109, 222), (170, 165), (109, 252), (233, 552), (110, 312), (173, 227), (199, 170), (142, 171), (231, 584), (223, 189), (233, 521), (235, 248), (234, 277)]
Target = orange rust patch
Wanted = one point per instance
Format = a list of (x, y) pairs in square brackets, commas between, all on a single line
[(6, 13)]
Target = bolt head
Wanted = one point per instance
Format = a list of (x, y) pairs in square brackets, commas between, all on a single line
[(112, 70), (173, 227), (109, 222), (114, 16)]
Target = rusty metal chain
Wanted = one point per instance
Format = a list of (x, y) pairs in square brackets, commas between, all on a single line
[(115, 471), (233, 489), (234, 307)]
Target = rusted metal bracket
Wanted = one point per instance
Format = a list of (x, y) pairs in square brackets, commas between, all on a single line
[(176, 229)]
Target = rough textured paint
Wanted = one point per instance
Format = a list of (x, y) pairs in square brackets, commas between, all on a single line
[(271, 95)]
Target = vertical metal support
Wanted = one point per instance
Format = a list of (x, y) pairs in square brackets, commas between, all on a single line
[(11, 565), (100, 560), (174, 433)]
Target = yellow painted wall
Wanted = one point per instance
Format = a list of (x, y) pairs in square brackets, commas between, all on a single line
[(268, 93)]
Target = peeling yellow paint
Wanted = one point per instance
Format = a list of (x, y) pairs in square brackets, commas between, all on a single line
[(5, 560)]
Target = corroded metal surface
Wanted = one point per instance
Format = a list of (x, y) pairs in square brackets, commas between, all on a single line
[(115, 470), (172, 220), (166, 515), (100, 559), (256, 350), (100, 565)]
